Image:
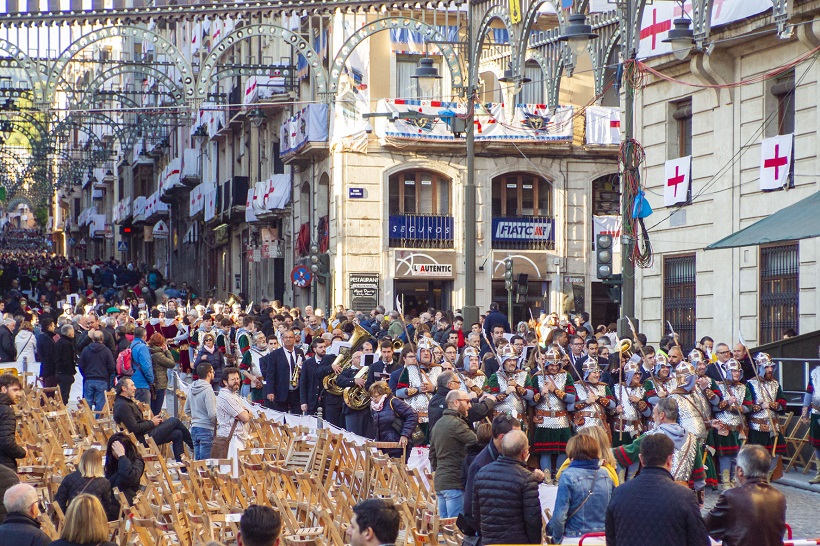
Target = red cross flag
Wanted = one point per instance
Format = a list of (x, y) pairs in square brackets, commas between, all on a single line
[(677, 181), (776, 161)]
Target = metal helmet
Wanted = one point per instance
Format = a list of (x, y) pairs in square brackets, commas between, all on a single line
[(425, 343), (469, 352), (661, 361), (763, 361), (589, 366), (506, 353), (685, 376), (732, 365), (630, 369), (553, 355), (694, 357)]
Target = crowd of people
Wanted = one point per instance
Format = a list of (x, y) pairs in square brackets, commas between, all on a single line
[(502, 409)]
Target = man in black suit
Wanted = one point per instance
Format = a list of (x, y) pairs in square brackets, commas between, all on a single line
[(280, 367), (717, 370), (576, 352), (314, 371), (386, 365)]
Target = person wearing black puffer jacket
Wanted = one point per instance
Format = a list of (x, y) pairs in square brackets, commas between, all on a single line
[(64, 360), (11, 390), (123, 465), (98, 369), (385, 408), (505, 496), (89, 479)]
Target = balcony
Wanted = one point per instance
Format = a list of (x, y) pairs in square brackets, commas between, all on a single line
[(420, 231), (234, 197), (122, 211), (139, 209), (170, 182), (271, 197), (305, 134), (154, 208), (190, 175), (524, 233)]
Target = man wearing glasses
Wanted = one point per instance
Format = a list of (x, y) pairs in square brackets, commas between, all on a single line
[(717, 370), (449, 381), (448, 448)]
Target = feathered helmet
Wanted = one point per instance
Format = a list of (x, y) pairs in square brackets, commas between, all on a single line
[(630, 369), (589, 366), (763, 361), (685, 376), (732, 365), (661, 361), (424, 344)]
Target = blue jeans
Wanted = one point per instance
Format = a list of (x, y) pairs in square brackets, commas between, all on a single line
[(94, 393), (450, 503), (203, 440), (144, 396)]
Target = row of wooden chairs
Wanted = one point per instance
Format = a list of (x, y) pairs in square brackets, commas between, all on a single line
[(312, 478)]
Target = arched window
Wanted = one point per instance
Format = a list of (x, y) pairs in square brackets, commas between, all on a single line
[(533, 91), (521, 195), (419, 192), (304, 202)]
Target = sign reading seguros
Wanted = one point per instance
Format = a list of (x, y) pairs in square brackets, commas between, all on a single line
[(522, 229)]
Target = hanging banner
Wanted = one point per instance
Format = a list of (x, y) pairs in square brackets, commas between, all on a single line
[(603, 125), (677, 183), (607, 225), (776, 159)]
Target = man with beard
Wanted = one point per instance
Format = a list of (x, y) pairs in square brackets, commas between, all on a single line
[(631, 410), (416, 386), (314, 370), (385, 365), (357, 421)]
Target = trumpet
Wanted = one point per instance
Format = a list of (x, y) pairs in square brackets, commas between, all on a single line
[(297, 371), (397, 345)]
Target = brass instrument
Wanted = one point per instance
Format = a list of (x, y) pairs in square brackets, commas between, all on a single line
[(356, 397), (360, 335), (232, 298), (297, 371), (397, 345), (624, 347)]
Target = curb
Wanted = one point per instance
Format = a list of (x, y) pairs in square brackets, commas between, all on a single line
[(798, 484)]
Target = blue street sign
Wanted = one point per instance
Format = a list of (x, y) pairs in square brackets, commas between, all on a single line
[(122, 246), (355, 193)]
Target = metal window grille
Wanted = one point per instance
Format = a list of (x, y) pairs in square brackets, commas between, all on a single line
[(680, 297), (779, 291)]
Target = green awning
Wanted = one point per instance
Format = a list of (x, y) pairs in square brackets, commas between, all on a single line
[(798, 221)]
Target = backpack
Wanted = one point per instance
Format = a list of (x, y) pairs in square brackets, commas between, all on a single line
[(124, 367)]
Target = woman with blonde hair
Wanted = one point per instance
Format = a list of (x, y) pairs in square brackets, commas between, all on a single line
[(608, 462), (88, 478), (85, 524), (385, 409)]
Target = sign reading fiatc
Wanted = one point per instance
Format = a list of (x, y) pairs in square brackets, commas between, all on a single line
[(522, 229)]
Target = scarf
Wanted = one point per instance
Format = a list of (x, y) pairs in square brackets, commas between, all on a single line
[(378, 404)]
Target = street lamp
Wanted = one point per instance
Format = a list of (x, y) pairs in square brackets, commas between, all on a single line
[(425, 76), (509, 77), (577, 34), (681, 38), (257, 117), (6, 129)]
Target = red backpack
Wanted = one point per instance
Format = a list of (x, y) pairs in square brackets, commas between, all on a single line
[(124, 367)]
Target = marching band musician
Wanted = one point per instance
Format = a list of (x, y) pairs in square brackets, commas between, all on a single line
[(765, 401), (729, 419), (283, 368), (385, 364), (415, 386), (254, 371), (555, 392), (593, 399), (314, 370), (357, 421), (631, 409)]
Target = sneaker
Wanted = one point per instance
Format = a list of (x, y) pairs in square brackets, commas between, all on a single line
[(815, 480)]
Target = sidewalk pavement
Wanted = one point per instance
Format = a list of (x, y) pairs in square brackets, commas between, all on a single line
[(796, 478)]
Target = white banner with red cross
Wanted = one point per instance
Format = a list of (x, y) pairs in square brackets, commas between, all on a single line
[(776, 161), (677, 181), (603, 125)]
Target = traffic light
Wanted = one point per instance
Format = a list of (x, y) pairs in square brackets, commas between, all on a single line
[(319, 263), (314, 259), (508, 274), (126, 229), (603, 256), (522, 287)]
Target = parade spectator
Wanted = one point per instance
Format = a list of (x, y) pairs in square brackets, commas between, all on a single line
[(127, 413), (393, 419), (25, 344), (98, 369), (21, 526), (754, 513), (143, 377), (65, 361), (448, 448), (584, 490), (8, 479), (46, 353), (201, 406), (123, 465), (8, 351), (85, 524), (209, 354), (505, 505), (375, 522), (259, 526), (11, 390), (89, 478), (231, 414), (161, 360), (669, 512)]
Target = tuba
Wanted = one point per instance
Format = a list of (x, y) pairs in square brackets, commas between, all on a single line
[(360, 335), (357, 397)]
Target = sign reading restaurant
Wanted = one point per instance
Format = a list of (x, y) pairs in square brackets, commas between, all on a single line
[(522, 229), (432, 270)]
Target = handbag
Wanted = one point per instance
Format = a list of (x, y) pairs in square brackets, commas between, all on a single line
[(219, 449), (416, 437)]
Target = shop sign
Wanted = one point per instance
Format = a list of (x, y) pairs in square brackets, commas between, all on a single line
[(364, 291), (414, 226), (522, 229), (431, 270)]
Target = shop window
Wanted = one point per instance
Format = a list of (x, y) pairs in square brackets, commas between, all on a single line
[(419, 192), (521, 195)]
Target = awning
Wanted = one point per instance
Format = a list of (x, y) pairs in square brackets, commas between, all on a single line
[(798, 221)]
